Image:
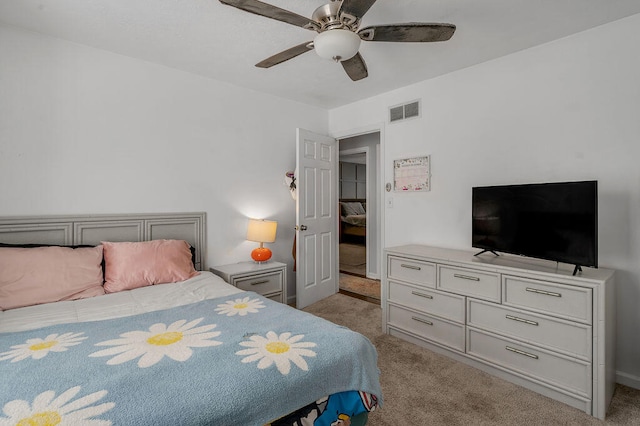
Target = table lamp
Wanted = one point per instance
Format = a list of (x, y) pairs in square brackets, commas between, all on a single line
[(261, 231)]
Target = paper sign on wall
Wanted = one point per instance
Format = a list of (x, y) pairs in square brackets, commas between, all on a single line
[(412, 174)]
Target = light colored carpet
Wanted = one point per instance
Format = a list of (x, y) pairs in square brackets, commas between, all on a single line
[(421, 387), (360, 285), (353, 258)]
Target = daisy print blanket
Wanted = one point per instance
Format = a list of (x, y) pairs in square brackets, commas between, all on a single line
[(235, 360)]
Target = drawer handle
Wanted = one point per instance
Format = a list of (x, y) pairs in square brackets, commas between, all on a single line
[(404, 265), (526, 321), (426, 296), (466, 277), (424, 321), (518, 351), (260, 282), (546, 293)]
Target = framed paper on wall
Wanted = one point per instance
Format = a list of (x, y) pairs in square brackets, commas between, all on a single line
[(412, 174)]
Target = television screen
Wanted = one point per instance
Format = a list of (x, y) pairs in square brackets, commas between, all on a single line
[(553, 221)]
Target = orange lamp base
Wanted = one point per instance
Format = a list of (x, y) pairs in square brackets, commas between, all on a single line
[(261, 254)]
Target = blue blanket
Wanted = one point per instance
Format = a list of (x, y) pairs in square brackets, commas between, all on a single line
[(236, 360)]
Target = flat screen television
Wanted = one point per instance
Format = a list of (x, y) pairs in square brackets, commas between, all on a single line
[(553, 221)]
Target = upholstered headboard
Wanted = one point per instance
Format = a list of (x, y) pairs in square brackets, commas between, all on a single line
[(91, 229)]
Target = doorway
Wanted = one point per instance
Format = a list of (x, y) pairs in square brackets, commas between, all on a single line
[(359, 217)]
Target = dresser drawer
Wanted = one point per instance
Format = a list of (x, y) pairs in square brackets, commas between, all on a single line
[(571, 338), (441, 331), (433, 302), (413, 271), (561, 300), (570, 374), (470, 282), (262, 284)]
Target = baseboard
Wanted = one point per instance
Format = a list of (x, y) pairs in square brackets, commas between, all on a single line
[(628, 380)]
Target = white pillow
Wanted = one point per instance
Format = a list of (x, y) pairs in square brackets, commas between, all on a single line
[(354, 208)]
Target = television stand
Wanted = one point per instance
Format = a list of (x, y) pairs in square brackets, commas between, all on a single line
[(488, 251), (577, 269)]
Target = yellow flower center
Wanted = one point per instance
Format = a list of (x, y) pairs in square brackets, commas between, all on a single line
[(43, 345), (46, 418), (240, 306), (164, 339), (277, 347)]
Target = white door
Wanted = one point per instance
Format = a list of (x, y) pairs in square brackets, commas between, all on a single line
[(316, 223)]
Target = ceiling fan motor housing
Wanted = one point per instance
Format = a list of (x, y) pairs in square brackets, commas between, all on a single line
[(329, 17)]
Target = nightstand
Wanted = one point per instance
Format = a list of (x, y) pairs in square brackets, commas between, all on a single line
[(268, 279)]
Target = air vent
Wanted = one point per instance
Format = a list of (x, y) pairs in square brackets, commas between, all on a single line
[(396, 113), (402, 112)]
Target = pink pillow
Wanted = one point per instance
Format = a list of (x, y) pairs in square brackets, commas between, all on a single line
[(30, 276), (133, 265)]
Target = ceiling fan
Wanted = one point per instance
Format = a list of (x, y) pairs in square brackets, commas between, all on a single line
[(339, 33)]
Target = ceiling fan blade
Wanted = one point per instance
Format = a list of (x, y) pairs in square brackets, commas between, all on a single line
[(355, 67), (269, 11), (356, 8), (285, 55), (411, 32)]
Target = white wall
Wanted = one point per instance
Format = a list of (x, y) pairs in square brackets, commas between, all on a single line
[(567, 110), (87, 131)]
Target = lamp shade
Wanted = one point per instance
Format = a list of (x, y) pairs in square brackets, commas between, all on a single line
[(262, 231), (337, 44)]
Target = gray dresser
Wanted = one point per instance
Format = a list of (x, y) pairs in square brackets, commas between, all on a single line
[(525, 320)]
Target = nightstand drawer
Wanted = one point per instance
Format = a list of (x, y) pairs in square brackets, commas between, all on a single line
[(569, 337), (276, 298), (469, 282), (413, 271), (262, 284), (444, 305), (551, 298), (268, 279)]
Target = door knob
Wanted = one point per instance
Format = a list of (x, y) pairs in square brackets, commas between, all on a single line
[(301, 228)]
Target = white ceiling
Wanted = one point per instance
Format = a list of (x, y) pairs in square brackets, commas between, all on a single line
[(208, 38)]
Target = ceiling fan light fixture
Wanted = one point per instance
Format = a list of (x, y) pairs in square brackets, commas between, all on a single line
[(337, 44)]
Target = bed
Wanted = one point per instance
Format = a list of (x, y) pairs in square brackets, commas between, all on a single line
[(187, 351), (353, 220)]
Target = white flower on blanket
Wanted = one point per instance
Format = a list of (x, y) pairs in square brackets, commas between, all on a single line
[(46, 409), (38, 348), (240, 307), (280, 350), (174, 341)]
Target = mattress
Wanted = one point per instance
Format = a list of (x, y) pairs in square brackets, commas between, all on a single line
[(355, 220), (330, 365)]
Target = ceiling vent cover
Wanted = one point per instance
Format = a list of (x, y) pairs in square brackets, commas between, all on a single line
[(403, 112)]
